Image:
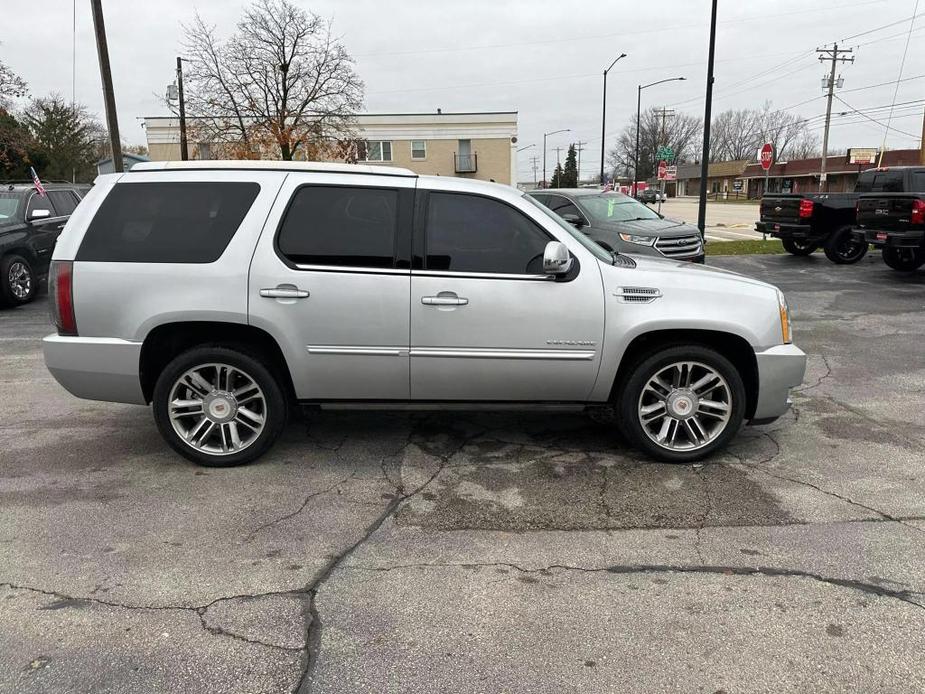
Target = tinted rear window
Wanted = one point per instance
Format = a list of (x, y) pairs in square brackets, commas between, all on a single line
[(354, 227), (167, 222), (880, 182)]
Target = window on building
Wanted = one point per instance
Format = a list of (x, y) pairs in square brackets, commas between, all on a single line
[(186, 222), (418, 149), (378, 150), (468, 233), (354, 227)]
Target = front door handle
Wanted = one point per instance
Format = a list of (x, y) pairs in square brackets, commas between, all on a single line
[(284, 291), (444, 300)]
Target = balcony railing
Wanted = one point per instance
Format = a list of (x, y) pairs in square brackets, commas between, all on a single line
[(466, 163)]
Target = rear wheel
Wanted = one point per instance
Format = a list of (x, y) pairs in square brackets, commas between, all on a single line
[(18, 284), (219, 406), (682, 403), (844, 247), (904, 259), (798, 247)]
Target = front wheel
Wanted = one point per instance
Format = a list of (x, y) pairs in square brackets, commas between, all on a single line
[(904, 259), (845, 247), (798, 247), (219, 406), (682, 403)]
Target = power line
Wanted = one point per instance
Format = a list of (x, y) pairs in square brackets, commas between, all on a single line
[(873, 120), (902, 66)]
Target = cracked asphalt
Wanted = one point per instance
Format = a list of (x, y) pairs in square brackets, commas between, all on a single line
[(378, 552)]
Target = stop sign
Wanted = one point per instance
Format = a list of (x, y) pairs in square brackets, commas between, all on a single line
[(767, 156)]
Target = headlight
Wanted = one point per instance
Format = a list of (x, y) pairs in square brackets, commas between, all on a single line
[(785, 329), (641, 240)]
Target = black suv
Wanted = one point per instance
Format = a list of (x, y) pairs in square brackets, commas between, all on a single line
[(29, 226)]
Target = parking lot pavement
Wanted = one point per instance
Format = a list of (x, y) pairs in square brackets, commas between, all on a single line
[(482, 553)]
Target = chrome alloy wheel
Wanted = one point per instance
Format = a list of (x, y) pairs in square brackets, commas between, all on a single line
[(685, 406), (217, 409), (20, 280)]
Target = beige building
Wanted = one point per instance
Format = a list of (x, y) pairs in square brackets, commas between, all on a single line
[(471, 145)]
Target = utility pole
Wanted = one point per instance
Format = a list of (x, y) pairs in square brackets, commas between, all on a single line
[(578, 147), (112, 122), (833, 54), (558, 157), (707, 114), (534, 160), (184, 148)]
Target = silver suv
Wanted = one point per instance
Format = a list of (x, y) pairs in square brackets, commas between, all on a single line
[(225, 293)]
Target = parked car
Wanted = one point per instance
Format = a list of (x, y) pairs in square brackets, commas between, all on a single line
[(618, 223), (804, 222), (29, 226), (226, 292), (651, 195), (895, 221)]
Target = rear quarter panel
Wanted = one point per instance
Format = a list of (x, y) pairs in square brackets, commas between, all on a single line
[(128, 300)]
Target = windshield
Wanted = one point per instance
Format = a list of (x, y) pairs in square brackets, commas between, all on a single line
[(9, 203), (598, 252), (614, 208)]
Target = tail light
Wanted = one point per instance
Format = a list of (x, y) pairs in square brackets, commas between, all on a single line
[(61, 289), (806, 208), (918, 212)]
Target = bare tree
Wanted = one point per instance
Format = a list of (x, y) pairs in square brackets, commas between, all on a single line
[(12, 86), (681, 132), (808, 146), (282, 83), (735, 135)]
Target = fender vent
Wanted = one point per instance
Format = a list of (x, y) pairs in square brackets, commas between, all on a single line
[(637, 295)]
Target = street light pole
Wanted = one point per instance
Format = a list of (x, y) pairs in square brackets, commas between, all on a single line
[(564, 130), (638, 118), (707, 114), (184, 149), (604, 113)]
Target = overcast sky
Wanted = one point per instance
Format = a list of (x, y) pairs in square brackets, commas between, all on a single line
[(541, 58)]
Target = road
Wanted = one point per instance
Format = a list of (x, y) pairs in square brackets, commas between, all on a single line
[(482, 553), (725, 221)]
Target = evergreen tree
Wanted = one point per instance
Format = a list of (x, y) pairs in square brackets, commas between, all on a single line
[(67, 136), (556, 181), (569, 177)]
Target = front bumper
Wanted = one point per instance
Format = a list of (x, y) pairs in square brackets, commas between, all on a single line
[(894, 239), (779, 369), (96, 368)]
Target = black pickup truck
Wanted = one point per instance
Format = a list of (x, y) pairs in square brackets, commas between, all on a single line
[(804, 222), (895, 221)]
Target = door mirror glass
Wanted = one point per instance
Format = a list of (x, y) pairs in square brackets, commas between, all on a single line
[(556, 259), (38, 214), (573, 219)]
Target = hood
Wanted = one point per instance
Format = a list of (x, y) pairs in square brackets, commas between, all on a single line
[(687, 275), (648, 227)]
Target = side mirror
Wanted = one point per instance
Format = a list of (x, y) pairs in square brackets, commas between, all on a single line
[(573, 219), (556, 258), (38, 214)]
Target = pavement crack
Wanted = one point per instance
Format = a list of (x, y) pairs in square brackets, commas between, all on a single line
[(301, 508), (219, 631), (905, 596), (828, 372)]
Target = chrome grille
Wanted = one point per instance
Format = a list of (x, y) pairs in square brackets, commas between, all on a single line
[(680, 246)]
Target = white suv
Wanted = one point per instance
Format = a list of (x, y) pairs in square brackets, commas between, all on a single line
[(224, 293)]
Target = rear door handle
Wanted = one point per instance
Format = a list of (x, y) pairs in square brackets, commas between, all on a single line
[(284, 291), (444, 300)]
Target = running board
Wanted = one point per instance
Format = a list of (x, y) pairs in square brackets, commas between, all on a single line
[(449, 406)]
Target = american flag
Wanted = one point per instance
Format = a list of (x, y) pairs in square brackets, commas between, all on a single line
[(40, 189)]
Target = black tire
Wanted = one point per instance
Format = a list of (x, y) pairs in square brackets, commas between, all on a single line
[(798, 247), (630, 394), (18, 283), (844, 247), (274, 404), (903, 259)]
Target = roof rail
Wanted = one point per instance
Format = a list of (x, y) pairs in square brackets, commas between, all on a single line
[(267, 165), (19, 182)]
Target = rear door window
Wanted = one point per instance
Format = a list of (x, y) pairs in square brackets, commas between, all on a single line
[(40, 202), (63, 200), (881, 182), (167, 222), (341, 226)]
